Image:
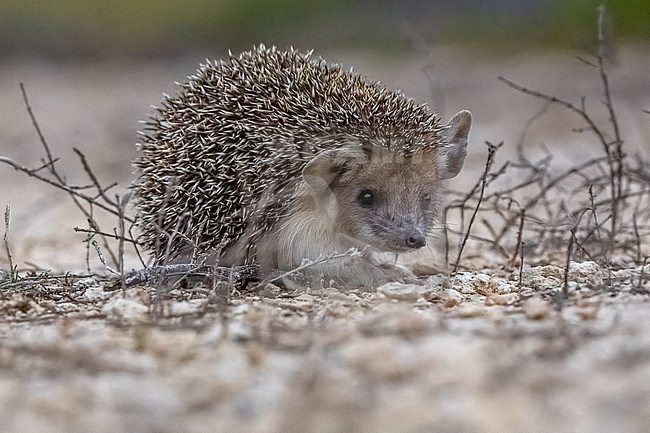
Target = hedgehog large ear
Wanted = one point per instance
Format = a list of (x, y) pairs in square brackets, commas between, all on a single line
[(455, 144), (328, 166)]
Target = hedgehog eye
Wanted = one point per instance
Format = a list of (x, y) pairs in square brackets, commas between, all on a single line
[(425, 200), (366, 198)]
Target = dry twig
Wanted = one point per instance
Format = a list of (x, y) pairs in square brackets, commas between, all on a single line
[(13, 275)]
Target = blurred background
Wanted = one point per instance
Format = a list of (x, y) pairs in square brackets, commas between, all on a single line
[(92, 69), (123, 28)]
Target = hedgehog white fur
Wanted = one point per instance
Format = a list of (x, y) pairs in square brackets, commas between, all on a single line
[(275, 157)]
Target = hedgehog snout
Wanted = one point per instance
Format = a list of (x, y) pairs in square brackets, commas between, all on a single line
[(404, 236), (410, 233), (415, 239)]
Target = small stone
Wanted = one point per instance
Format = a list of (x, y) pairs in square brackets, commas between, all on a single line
[(588, 272), (588, 308), (470, 310), (589, 312), (66, 307), (470, 283), (270, 290), (125, 309), (94, 294), (403, 292), (451, 297), (541, 277), (536, 309), (186, 307), (462, 282), (85, 283), (506, 288), (425, 268), (501, 299), (239, 331)]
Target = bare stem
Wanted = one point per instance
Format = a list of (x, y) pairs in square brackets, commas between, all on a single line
[(12, 270), (484, 181)]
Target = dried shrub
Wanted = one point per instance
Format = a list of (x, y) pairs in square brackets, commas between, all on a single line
[(606, 220)]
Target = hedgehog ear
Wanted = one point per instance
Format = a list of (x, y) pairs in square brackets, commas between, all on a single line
[(455, 144), (328, 166)]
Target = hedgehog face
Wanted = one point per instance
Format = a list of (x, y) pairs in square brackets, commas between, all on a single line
[(377, 197), (391, 206)]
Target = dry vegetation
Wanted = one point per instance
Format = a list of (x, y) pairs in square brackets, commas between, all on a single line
[(540, 325)]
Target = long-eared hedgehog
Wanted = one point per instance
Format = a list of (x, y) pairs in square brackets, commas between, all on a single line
[(275, 157)]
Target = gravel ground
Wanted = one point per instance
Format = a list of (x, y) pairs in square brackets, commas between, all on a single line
[(484, 350), (471, 353)]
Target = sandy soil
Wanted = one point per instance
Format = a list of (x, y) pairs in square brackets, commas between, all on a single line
[(479, 351)]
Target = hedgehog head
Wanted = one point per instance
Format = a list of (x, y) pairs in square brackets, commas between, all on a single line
[(386, 199)]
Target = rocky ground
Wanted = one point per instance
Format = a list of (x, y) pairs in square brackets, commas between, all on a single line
[(476, 352), (488, 349)]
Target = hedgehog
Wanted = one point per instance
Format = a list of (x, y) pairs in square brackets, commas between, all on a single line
[(276, 158)]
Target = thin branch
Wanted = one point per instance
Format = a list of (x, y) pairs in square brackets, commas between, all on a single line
[(579, 111), (95, 181), (62, 186), (46, 147), (121, 205), (521, 266), (12, 270), (520, 235), (220, 273), (565, 286), (488, 164), (311, 263), (102, 259)]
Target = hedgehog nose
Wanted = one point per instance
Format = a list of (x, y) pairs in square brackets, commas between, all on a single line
[(415, 239)]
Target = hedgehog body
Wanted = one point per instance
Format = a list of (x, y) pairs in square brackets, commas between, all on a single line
[(273, 157)]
